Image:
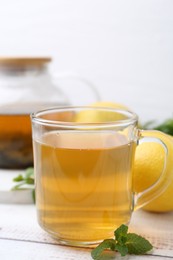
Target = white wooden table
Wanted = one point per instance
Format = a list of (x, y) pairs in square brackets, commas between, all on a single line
[(21, 238)]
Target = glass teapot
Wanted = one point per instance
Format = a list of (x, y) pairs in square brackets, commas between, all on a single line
[(26, 86)]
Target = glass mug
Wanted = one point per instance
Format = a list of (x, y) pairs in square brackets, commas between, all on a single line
[(83, 159)]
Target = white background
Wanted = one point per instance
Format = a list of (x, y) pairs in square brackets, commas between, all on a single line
[(124, 47)]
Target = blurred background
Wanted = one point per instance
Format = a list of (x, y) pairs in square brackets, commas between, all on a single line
[(124, 47)]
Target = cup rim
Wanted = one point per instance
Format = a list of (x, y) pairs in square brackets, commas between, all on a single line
[(35, 117)]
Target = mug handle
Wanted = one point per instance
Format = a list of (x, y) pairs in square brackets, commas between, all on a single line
[(147, 195), (77, 77)]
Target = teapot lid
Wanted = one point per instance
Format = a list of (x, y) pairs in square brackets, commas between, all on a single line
[(24, 61)]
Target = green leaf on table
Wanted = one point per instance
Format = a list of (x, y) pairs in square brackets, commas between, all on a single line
[(18, 186), (29, 181), (25, 181), (124, 243), (137, 245), (106, 244), (165, 127), (33, 195), (121, 234), (18, 178), (29, 172), (122, 249)]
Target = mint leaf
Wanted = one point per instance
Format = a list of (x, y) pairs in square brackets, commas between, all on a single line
[(106, 244), (29, 181), (122, 249), (18, 186), (25, 181), (121, 234), (124, 243), (137, 245), (18, 178), (33, 195), (29, 172)]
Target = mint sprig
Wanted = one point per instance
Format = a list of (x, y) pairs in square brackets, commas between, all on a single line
[(25, 181), (124, 242), (137, 245), (106, 244)]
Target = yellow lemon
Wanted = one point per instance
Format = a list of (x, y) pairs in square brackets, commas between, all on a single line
[(149, 163), (109, 104), (95, 116)]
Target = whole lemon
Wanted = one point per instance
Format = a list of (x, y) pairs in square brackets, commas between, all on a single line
[(96, 116), (149, 163), (109, 104)]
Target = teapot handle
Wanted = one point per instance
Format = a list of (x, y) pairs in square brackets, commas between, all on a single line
[(77, 77)]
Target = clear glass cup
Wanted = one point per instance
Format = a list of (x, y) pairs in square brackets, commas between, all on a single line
[(83, 158)]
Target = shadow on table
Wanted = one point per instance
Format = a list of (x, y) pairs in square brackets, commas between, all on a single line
[(112, 255)]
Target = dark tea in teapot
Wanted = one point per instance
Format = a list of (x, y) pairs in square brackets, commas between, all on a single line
[(25, 86), (15, 141)]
